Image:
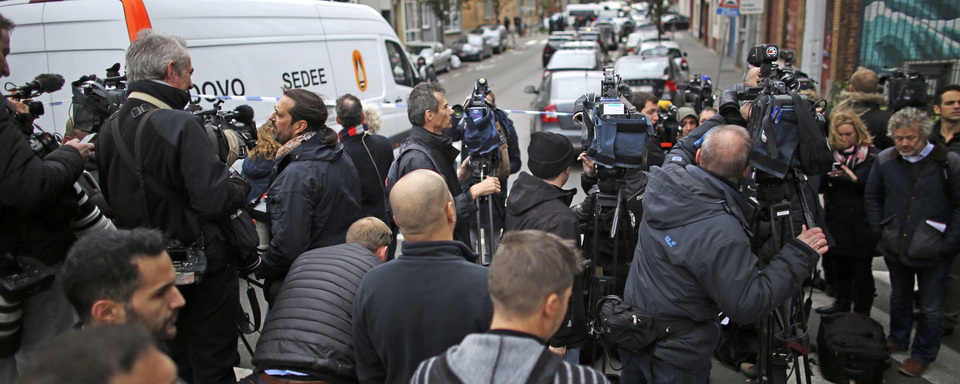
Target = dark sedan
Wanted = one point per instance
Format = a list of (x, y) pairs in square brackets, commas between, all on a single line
[(472, 46), (658, 75), (674, 22), (552, 46), (557, 94)]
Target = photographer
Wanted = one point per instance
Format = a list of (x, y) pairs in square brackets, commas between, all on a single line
[(694, 259), (183, 189), (36, 205)]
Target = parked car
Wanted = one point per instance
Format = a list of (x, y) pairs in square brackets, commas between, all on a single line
[(558, 92), (436, 55), (658, 75), (472, 46), (497, 34), (675, 22), (553, 45), (667, 48), (607, 34), (575, 59), (587, 44)]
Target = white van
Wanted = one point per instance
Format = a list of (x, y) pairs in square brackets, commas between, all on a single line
[(249, 48), (575, 10)]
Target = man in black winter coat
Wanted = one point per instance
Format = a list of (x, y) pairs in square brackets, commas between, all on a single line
[(315, 193), (307, 335), (37, 204), (864, 100), (694, 260), (426, 300), (183, 191), (371, 154), (431, 115), (538, 202), (945, 131)]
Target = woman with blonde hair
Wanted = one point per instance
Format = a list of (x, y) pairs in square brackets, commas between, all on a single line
[(259, 163), (843, 189)]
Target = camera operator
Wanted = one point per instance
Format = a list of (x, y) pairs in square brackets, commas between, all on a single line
[(36, 207), (688, 120), (694, 259), (183, 189)]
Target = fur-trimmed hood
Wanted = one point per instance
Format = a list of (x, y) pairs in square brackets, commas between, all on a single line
[(860, 102)]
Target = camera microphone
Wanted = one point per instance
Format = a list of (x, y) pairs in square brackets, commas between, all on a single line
[(43, 83)]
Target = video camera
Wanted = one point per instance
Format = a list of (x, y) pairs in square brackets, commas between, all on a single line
[(805, 82), (904, 89), (232, 133), (614, 133), (95, 99), (699, 93), (786, 128), (668, 127)]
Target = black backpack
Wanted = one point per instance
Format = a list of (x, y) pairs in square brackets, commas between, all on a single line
[(852, 347)]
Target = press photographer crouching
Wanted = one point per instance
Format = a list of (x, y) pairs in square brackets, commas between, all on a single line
[(37, 204), (694, 259)]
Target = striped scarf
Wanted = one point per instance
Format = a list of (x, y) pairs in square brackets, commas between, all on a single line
[(353, 131)]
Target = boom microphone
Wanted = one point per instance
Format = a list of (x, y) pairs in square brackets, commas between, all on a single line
[(43, 83), (244, 114)]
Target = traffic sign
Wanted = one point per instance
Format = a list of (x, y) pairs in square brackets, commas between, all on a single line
[(751, 7), (729, 4), (729, 8)]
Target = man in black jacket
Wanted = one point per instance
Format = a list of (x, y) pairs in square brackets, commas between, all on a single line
[(307, 334), (864, 100), (371, 154), (427, 299), (538, 202), (431, 115), (694, 259), (36, 206), (315, 193), (183, 189), (945, 131)]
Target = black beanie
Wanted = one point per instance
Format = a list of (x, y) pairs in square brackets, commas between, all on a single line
[(549, 154)]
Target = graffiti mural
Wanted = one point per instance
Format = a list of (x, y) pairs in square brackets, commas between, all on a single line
[(894, 31)]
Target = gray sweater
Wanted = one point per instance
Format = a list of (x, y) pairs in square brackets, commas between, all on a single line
[(501, 359)]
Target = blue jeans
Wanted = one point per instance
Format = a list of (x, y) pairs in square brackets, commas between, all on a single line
[(932, 284), (646, 369), (572, 356)]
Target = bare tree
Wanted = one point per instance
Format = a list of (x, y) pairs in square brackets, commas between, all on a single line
[(658, 8)]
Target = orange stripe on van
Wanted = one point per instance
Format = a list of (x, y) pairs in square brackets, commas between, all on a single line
[(136, 15)]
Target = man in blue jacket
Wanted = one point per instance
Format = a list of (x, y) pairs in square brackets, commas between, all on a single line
[(912, 200), (694, 259)]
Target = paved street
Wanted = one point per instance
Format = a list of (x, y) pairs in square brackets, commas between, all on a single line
[(510, 72)]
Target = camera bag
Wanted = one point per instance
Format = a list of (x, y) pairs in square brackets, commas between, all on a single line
[(852, 347), (615, 142), (624, 327)]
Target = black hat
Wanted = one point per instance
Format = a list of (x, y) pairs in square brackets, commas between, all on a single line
[(550, 154)]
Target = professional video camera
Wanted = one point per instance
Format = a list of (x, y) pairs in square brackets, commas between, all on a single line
[(904, 89), (614, 132), (668, 127), (803, 79), (43, 83), (232, 133), (95, 99), (700, 93)]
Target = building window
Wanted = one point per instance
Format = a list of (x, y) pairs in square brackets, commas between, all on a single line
[(452, 22), (412, 21), (488, 9)]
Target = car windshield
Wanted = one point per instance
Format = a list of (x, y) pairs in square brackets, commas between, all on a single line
[(573, 60), (573, 87), (642, 69), (633, 39), (415, 49), (662, 51)]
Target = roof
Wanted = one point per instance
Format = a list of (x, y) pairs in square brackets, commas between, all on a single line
[(659, 43)]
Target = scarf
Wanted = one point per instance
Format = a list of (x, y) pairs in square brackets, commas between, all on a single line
[(294, 143), (853, 156), (353, 131)]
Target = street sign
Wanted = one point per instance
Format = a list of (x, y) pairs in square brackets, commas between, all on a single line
[(729, 8), (751, 7)]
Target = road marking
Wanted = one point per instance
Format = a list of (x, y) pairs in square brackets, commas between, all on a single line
[(531, 42), (457, 74)]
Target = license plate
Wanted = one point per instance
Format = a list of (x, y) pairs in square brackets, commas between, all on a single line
[(646, 88)]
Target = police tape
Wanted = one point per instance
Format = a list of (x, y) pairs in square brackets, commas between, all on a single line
[(381, 105)]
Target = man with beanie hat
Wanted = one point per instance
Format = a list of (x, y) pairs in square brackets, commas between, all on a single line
[(688, 120), (538, 202)]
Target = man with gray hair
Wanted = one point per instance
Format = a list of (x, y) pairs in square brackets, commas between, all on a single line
[(159, 170), (912, 200), (694, 260), (428, 148), (531, 281)]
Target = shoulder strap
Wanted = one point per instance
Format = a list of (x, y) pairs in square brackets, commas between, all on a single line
[(945, 180), (412, 145), (546, 367), (136, 164)]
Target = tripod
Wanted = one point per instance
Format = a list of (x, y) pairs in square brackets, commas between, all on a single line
[(785, 339), (487, 239)]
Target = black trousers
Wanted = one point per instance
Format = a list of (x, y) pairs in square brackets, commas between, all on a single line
[(853, 279), (205, 348)]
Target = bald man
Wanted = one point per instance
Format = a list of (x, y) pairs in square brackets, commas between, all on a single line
[(429, 298), (694, 258)]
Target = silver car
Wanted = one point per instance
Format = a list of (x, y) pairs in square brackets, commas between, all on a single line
[(496, 34), (436, 54)]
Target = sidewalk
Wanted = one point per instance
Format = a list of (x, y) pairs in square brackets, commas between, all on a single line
[(704, 61)]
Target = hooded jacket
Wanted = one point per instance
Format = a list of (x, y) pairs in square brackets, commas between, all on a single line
[(898, 207), (693, 261), (501, 359), (534, 204), (312, 202), (37, 200), (867, 106), (176, 152), (309, 327), (444, 154)]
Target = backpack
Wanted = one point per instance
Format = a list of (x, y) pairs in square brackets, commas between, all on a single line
[(393, 173), (852, 347)]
